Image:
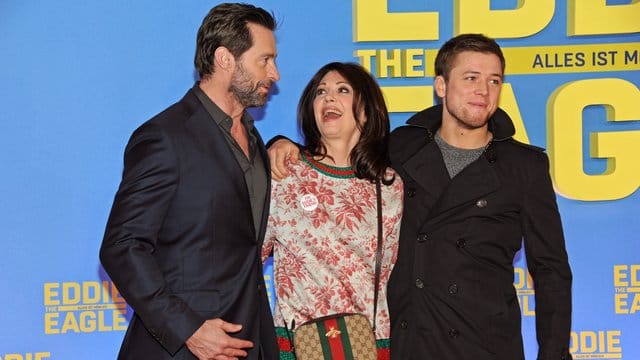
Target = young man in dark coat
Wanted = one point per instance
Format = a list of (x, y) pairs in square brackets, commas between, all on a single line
[(473, 196)]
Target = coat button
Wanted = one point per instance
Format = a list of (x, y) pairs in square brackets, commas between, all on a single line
[(419, 283), (453, 333), (423, 237), (403, 324), (461, 243), (453, 289), (411, 192), (481, 203)]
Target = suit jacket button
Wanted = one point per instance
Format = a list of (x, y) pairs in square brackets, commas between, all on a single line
[(411, 192), (423, 237), (453, 333), (461, 243), (481, 203), (453, 289), (403, 324), (419, 283)]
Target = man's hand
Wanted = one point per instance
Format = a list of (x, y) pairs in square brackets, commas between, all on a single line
[(281, 152), (211, 341)]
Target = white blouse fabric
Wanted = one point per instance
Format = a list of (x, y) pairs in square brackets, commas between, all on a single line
[(323, 231)]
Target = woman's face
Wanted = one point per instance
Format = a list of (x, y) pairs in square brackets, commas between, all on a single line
[(333, 110)]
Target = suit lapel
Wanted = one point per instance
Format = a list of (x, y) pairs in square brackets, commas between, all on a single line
[(267, 199), (215, 145)]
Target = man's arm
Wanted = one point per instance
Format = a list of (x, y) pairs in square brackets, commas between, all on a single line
[(548, 264), (281, 150), (148, 185), (149, 181)]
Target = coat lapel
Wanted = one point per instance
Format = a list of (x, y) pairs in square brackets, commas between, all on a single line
[(475, 181), (426, 168)]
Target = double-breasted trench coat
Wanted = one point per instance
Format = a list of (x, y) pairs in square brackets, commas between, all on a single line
[(451, 293)]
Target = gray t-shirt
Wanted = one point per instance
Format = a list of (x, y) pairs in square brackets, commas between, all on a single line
[(456, 159)]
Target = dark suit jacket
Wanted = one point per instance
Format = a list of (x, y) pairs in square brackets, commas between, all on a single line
[(180, 243), (451, 293)]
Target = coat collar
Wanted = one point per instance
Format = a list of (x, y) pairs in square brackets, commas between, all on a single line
[(423, 162)]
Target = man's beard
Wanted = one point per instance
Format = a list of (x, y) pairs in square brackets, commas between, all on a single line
[(466, 118), (245, 91)]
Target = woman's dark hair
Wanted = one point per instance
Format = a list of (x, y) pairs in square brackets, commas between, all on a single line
[(369, 157), (226, 25)]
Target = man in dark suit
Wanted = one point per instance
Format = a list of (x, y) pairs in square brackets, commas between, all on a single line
[(183, 240), (473, 195)]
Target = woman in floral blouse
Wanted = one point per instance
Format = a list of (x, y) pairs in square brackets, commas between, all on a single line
[(323, 220)]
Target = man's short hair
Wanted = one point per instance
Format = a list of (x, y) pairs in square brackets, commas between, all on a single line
[(465, 42), (226, 25)]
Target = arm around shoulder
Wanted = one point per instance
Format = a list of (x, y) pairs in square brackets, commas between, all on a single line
[(282, 150)]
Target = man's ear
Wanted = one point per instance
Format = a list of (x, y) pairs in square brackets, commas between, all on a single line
[(223, 58), (440, 86)]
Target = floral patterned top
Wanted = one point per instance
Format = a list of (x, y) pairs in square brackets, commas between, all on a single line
[(323, 230)]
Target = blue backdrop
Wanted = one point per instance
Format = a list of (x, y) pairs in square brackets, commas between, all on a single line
[(77, 77)]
